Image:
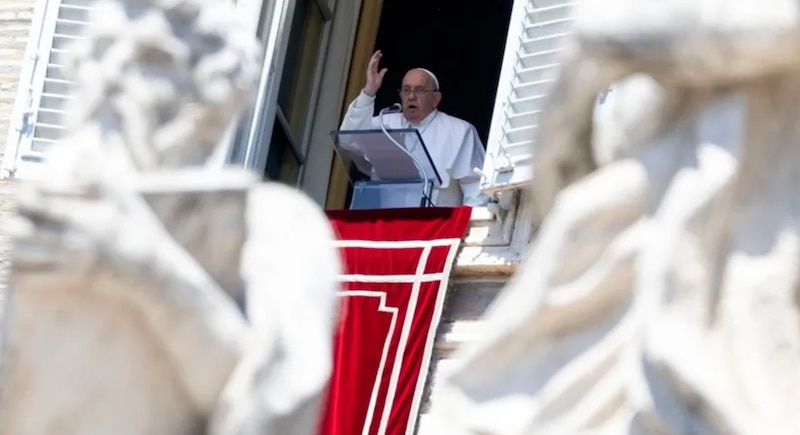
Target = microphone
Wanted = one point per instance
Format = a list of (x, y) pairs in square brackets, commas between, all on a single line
[(395, 108)]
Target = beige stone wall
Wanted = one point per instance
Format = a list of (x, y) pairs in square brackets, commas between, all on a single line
[(15, 21)]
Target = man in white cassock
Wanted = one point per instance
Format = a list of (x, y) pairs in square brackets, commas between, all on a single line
[(453, 144)]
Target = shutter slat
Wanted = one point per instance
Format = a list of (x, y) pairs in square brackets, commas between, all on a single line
[(74, 13), (530, 64), (527, 104), (51, 90), (63, 41), (58, 57), (86, 4), (55, 72), (524, 119), (50, 116), (48, 132), (53, 101), (54, 86), (41, 144), (519, 136)]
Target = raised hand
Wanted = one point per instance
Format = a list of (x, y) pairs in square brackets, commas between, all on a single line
[(374, 77)]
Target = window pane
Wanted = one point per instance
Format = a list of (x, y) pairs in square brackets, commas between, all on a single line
[(282, 163), (301, 60)]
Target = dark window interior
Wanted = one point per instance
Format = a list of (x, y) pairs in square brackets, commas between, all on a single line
[(462, 42)]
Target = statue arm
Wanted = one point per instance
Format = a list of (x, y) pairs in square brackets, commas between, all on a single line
[(290, 267), (688, 45), (115, 246)]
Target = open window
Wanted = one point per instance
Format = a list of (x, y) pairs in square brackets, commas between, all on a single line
[(461, 42), (274, 138), (529, 67), (308, 48), (284, 135)]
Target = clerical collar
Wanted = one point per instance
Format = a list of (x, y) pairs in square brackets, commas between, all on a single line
[(425, 122), (421, 127)]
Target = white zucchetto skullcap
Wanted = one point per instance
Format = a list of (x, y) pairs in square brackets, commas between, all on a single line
[(432, 75)]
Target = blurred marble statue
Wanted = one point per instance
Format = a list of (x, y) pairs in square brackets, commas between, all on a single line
[(661, 294), (152, 293)]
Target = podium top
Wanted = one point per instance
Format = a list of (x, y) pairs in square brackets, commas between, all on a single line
[(377, 157)]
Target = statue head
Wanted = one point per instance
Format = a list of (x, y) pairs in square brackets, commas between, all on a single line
[(158, 82)]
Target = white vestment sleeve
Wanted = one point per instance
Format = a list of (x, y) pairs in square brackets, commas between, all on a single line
[(470, 156), (358, 117), (359, 113)]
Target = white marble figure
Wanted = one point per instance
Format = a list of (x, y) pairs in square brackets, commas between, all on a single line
[(661, 294), (151, 294)]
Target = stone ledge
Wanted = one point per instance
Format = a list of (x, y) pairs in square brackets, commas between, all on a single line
[(468, 297), (453, 335), (487, 261), (493, 247)]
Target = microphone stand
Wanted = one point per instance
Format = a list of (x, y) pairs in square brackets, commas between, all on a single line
[(425, 194)]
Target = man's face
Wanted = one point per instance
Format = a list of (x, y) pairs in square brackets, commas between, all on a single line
[(418, 95)]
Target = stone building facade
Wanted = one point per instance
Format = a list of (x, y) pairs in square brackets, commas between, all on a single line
[(497, 239), (15, 21)]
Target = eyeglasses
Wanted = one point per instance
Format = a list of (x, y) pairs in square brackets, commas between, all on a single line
[(419, 91)]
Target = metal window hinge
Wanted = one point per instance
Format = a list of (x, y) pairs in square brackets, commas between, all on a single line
[(24, 121), (25, 116), (502, 163)]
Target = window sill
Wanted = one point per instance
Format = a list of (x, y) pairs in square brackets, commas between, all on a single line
[(495, 245)]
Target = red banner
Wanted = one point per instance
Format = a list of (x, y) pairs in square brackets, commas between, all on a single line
[(397, 267)]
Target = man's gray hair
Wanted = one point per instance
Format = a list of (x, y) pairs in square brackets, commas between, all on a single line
[(432, 76)]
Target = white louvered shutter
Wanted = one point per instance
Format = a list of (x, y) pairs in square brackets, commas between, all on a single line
[(535, 35), (43, 90)]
